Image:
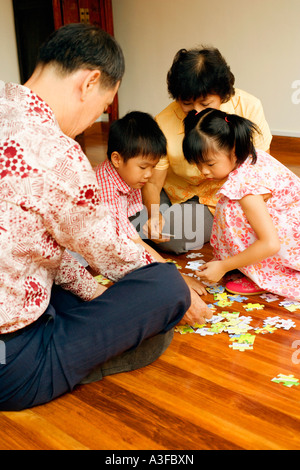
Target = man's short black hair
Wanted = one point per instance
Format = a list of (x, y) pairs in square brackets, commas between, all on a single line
[(77, 46)]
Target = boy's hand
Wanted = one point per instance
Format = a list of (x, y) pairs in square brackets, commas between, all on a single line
[(100, 289), (212, 271)]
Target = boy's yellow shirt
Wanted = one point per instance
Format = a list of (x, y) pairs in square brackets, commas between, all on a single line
[(184, 180)]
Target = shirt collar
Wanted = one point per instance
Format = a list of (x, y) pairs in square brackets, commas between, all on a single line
[(116, 178), (33, 104), (180, 114)]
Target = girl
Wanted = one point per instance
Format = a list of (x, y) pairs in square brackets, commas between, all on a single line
[(257, 219)]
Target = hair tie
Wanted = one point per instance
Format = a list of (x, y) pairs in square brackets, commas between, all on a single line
[(226, 119)]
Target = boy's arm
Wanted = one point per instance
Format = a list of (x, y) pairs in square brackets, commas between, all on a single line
[(150, 250)]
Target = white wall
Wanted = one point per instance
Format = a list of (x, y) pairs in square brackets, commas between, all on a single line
[(9, 66), (260, 40)]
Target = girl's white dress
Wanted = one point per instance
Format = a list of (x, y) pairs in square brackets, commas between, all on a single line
[(232, 233)]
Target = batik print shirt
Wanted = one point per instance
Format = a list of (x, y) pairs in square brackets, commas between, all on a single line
[(49, 201)]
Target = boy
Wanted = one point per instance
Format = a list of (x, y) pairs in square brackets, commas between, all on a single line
[(135, 145)]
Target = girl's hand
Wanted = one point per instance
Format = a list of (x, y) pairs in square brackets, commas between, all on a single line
[(212, 271)]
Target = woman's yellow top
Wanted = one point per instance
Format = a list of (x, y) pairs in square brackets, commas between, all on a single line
[(184, 180)]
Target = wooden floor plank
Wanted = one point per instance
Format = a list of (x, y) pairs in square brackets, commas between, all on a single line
[(90, 417), (27, 430)]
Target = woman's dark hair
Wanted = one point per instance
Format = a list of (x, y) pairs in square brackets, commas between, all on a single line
[(214, 128), (196, 73), (137, 133), (76, 46)]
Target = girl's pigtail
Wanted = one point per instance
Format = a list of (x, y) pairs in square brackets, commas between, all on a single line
[(244, 131), (191, 120)]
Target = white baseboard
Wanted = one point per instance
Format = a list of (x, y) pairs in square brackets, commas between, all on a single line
[(285, 133)]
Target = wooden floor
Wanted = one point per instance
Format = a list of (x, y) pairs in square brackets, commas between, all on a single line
[(201, 394)]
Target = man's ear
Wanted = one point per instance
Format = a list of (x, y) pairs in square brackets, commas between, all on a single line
[(90, 79), (116, 159)]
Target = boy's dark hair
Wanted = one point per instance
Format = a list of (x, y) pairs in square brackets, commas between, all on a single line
[(196, 73), (137, 133), (214, 128), (76, 46)]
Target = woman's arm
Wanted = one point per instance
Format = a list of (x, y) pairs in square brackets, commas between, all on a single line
[(267, 243), (151, 199)]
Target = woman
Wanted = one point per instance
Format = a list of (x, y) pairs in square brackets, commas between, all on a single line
[(198, 79)]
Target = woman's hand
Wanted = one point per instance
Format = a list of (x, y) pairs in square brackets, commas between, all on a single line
[(153, 229)]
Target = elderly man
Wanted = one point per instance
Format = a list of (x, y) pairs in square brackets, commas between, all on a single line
[(59, 327)]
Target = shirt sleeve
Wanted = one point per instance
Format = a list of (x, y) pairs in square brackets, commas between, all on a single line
[(163, 163), (72, 276), (77, 220), (243, 182), (263, 140)]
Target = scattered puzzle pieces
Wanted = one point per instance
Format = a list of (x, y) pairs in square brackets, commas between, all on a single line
[(184, 329), (265, 329), (290, 304), (237, 298), (194, 265), (269, 297), (224, 303), (194, 255), (241, 347), (280, 323), (250, 306), (238, 326), (242, 342), (169, 260), (215, 289), (101, 279), (286, 380)]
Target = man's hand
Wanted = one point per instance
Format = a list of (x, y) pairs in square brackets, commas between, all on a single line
[(195, 284), (198, 311)]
